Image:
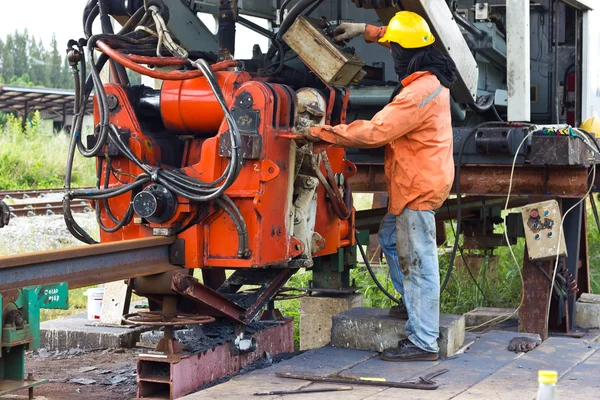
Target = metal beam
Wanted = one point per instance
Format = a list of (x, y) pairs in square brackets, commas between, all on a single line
[(518, 59), (88, 265), (494, 180), (584, 5)]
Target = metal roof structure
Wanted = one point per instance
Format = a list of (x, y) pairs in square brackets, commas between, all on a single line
[(23, 100)]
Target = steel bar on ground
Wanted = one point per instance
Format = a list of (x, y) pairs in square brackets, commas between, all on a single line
[(87, 265)]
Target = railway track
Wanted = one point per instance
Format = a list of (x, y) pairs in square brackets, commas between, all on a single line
[(27, 193), (46, 208), (29, 203)]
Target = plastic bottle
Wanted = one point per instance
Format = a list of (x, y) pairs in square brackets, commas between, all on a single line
[(547, 388)]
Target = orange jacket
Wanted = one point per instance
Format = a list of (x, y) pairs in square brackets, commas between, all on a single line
[(416, 130)]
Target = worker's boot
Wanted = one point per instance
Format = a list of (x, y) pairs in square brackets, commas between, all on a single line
[(399, 311), (406, 351)]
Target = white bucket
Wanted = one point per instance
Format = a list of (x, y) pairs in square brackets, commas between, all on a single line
[(94, 303)]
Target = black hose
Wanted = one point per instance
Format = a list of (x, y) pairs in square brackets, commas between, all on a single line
[(373, 276)]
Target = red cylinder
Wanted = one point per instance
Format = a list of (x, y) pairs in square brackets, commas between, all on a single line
[(190, 108)]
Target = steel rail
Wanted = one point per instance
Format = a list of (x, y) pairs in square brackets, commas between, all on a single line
[(29, 193), (88, 265), (46, 208)]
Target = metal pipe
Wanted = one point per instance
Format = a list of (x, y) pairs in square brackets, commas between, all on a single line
[(370, 96), (555, 68), (467, 25), (228, 14)]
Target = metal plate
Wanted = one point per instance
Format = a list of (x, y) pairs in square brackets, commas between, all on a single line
[(8, 386)]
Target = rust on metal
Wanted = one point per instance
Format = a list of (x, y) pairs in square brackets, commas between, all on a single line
[(216, 303), (494, 180), (157, 318), (532, 315), (87, 265), (179, 374)]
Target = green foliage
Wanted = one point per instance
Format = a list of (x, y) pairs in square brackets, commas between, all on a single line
[(31, 158), (593, 251), (26, 62)]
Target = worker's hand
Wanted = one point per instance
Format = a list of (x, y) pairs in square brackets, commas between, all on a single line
[(303, 126), (349, 30)]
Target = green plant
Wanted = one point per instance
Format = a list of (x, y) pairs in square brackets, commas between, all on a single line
[(31, 158)]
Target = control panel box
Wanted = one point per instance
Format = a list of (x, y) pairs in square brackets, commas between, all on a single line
[(542, 222), (332, 63)]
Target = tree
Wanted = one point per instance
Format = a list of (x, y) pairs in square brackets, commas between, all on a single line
[(55, 64), (20, 52), (37, 64), (66, 76), (44, 78), (8, 64)]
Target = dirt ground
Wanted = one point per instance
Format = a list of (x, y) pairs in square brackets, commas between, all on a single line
[(113, 371)]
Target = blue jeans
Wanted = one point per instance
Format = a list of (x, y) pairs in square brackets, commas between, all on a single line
[(408, 243)]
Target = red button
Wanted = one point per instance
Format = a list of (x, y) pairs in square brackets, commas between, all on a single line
[(534, 214)]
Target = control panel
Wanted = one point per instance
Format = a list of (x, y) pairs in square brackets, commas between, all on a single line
[(334, 64), (542, 222)]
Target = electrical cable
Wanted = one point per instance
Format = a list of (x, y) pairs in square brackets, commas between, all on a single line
[(373, 276), (560, 233), (463, 256), (458, 195), (502, 318)]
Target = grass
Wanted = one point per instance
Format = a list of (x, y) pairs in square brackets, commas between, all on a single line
[(30, 158)]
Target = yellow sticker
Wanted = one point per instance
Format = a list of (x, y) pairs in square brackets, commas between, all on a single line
[(373, 379)]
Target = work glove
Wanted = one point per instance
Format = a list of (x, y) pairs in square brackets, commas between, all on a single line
[(303, 126), (349, 30)]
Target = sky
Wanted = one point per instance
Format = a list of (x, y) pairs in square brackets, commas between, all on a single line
[(42, 18)]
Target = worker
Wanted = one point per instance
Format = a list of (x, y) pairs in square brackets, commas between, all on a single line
[(416, 130)]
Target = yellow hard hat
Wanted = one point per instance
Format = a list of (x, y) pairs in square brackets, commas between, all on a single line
[(592, 125), (409, 30)]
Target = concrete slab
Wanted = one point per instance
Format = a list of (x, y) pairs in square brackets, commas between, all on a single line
[(487, 370), (582, 382), (482, 315), (587, 315), (518, 379), (324, 361), (316, 313), (349, 328), (75, 332), (589, 298), (483, 358)]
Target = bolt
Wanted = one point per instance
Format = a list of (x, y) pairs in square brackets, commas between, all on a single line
[(113, 102)]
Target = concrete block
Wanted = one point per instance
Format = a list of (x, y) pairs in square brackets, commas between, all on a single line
[(316, 313), (589, 298), (77, 331), (481, 315), (587, 315), (372, 329)]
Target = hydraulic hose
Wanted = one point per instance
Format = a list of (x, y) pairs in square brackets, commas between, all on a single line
[(373, 276), (168, 76)]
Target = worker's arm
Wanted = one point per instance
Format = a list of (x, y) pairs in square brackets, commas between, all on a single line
[(350, 30), (395, 120), (374, 33)]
